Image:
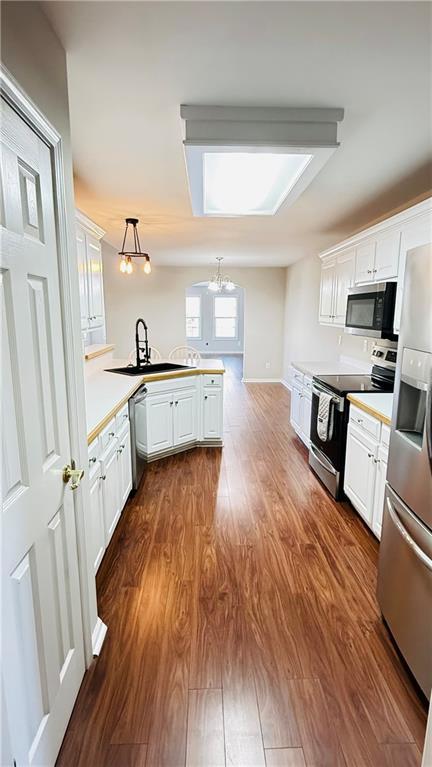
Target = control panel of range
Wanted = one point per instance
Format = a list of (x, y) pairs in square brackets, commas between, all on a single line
[(384, 355)]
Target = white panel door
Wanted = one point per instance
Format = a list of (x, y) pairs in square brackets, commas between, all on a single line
[(365, 260), (344, 279), (185, 416), (327, 291), (41, 612), (380, 480), (360, 470), (111, 495), (125, 466), (95, 280), (296, 408), (159, 412), (212, 414), (387, 255), (82, 278), (96, 513)]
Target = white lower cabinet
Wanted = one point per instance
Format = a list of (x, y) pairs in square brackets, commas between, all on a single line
[(301, 405), (159, 422), (97, 524), (212, 413), (185, 416), (366, 466), (124, 464), (111, 495)]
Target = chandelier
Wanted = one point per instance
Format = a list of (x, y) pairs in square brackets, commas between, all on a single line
[(219, 283), (126, 256)]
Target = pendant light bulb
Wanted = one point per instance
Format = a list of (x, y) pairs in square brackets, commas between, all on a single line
[(147, 267), (229, 285), (129, 267), (123, 266)]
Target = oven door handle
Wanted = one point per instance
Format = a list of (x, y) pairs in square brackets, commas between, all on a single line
[(424, 559), (335, 399), (324, 463)]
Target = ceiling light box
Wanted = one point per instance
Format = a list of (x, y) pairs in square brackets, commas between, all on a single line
[(248, 161)]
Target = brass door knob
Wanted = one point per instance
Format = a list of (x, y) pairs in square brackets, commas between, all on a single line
[(74, 474)]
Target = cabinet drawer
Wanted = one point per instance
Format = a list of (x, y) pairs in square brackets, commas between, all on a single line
[(212, 380), (171, 384), (385, 434), (122, 417), (366, 422), (93, 455), (298, 377), (107, 435)]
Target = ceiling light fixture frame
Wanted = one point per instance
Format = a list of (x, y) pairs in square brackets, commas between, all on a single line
[(287, 131), (126, 256)]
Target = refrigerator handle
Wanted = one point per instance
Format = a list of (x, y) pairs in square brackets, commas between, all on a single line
[(407, 538), (429, 422)]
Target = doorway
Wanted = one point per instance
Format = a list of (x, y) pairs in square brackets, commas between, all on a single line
[(215, 322)]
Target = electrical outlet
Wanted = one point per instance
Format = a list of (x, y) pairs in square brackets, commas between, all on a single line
[(340, 340), (267, 365)]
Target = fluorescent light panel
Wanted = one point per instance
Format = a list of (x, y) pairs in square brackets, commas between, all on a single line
[(249, 183)]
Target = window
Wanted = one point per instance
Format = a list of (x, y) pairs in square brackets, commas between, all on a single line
[(225, 317), (193, 317)]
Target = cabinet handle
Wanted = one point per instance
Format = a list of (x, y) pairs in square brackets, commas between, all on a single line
[(125, 415), (205, 396), (102, 476), (176, 402), (92, 460), (111, 434), (370, 455), (376, 460), (171, 404), (212, 380)]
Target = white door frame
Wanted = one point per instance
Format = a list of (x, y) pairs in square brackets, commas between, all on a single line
[(93, 628)]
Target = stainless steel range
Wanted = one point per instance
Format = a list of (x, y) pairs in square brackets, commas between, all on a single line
[(327, 455)]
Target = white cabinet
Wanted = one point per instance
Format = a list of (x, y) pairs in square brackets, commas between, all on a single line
[(416, 233), (96, 514), (301, 405), (212, 414), (366, 466), (111, 496), (360, 470), (186, 416), (387, 255), (159, 421), (89, 255), (124, 465), (337, 275), (365, 259)]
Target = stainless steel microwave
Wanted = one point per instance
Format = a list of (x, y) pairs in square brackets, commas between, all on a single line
[(370, 310)]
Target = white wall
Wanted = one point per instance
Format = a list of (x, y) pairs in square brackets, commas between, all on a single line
[(160, 299), (304, 338), (208, 344)]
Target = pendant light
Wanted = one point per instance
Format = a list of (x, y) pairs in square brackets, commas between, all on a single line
[(219, 283), (126, 256)]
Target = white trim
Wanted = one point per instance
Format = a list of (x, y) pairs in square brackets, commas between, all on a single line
[(261, 380), (286, 384), (98, 636), (88, 224), (68, 279), (399, 218)]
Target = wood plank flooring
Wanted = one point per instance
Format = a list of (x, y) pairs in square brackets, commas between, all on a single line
[(243, 628)]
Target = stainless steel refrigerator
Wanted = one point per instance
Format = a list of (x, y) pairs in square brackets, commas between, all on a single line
[(405, 559)]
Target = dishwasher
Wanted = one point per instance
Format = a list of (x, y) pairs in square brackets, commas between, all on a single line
[(137, 431)]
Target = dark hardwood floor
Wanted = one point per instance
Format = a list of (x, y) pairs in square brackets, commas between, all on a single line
[(243, 624)]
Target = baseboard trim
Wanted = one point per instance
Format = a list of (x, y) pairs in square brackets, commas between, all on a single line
[(183, 448), (98, 636), (261, 380)]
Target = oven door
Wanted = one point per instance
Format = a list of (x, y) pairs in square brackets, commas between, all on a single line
[(331, 449)]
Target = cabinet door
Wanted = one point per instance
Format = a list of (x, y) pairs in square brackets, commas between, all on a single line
[(185, 416), (111, 501), (344, 279), (94, 265), (306, 410), (125, 467), (327, 290), (159, 413), (82, 279), (380, 480), (212, 414), (97, 529), (360, 470), (296, 408), (415, 234), (365, 260), (387, 256)]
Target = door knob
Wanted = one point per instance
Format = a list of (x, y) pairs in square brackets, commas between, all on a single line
[(74, 474)]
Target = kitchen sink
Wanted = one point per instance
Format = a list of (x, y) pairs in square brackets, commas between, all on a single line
[(142, 370)]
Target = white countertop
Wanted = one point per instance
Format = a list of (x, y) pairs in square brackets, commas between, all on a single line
[(332, 367), (378, 404), (107, 392)]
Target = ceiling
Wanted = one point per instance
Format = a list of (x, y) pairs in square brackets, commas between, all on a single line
[(131, 65)]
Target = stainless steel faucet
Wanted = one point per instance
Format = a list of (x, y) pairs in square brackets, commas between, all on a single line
[(146, 358)]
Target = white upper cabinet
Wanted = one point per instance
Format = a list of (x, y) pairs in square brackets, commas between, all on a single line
[(375, 255), (89, 254), (337, 275)]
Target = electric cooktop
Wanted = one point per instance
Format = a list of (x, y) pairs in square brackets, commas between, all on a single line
[(356, 383)]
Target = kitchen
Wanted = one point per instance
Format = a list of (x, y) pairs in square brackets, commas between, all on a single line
[(229, 561)]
